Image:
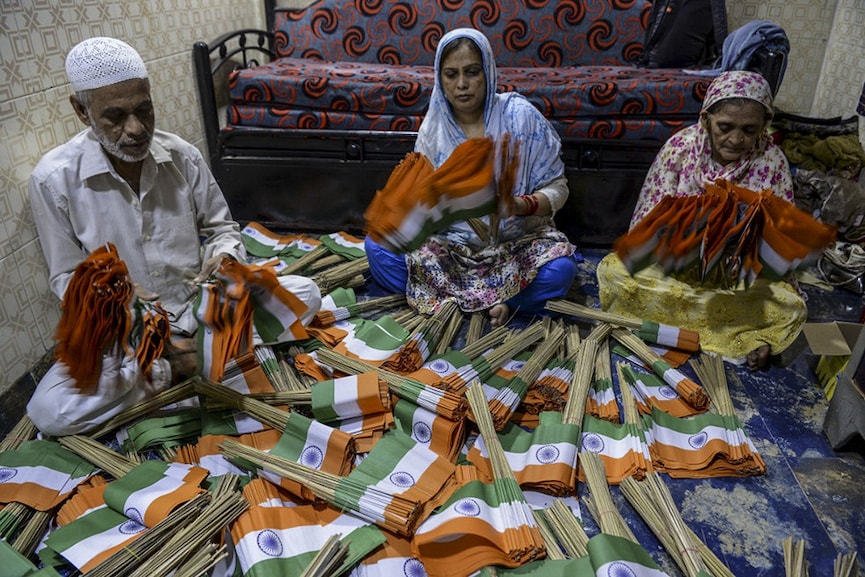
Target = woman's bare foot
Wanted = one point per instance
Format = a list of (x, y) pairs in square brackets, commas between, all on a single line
[(758, 359), (499, 315)]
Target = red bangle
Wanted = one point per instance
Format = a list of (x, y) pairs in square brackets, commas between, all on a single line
[(531, 204)]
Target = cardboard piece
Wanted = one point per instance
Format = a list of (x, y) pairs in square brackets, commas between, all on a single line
[(832, 339)]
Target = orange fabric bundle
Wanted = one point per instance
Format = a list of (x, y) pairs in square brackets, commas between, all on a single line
[(744, 233), (417, 200), (95, 315)]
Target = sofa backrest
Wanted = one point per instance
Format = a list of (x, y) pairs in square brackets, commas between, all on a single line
[(524, 33)]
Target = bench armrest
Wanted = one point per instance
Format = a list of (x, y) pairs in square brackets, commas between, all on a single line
[(235, 50)]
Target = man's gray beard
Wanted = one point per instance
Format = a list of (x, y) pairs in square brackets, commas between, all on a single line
[(114, 149)]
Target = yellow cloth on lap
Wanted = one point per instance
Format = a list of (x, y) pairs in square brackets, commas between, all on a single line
[(731, 322)]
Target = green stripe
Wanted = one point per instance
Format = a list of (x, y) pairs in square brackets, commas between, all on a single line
[(335, 247), (91, 524), (380, 462), (604, 548), (46, 454), (292, 441), (384, 334), (219, 423), (615, 431), (141, 476), (515, 439), (648, 331), (322, 401), (170, 430), (693, 424), (14, 563)]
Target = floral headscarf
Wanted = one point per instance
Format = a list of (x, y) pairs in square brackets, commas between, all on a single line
[(685, 164)]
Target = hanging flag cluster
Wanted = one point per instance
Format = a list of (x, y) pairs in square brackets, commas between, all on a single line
[(418, 200), (727, 235), (101, 315)]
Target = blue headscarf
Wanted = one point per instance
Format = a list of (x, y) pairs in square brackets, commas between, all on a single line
[(540, 146)]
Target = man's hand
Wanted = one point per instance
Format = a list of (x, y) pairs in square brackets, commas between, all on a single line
[(210, 265)]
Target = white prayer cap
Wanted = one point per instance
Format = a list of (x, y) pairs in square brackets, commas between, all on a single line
[(102, 61)]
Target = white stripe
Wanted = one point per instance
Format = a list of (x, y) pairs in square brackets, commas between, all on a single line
[(345, 394), (615, 448), (83, 551), (46, 477), (295, 541), (218, 465), (668, 335)]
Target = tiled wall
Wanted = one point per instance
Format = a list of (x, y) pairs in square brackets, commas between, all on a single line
[(35, 114)]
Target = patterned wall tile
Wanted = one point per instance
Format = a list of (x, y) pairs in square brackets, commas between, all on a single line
[(45, 306), (19, 338), (808, 26), (840, 83)]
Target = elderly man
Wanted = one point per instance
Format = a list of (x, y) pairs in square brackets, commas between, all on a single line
[(150, 194)]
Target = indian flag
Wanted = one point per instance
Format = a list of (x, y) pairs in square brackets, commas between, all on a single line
[(262, 242), (601, 400), (348, 397), (544, 459), (372, 341), (651, 391), (437, 369), (396, 466), (393, 558), (299, 245), (41, 474), (282, 542), (92, 538), (344, 244), (475, 527), (244, 374), (277, 311), (612, 555), (443, 436), (151, 490), (707, 445), (622, 448), (668, 336), (205, 453), (313, 444)]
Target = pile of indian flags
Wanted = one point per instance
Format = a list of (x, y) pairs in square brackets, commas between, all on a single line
[(382, 442)]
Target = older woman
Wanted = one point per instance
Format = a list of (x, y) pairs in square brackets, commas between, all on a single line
[(729, 142), (532, 261)]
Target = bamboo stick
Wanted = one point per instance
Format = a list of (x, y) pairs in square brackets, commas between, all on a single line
[(24, 430), (568, 530), (95, 452), (169, 396), (795, 564), (845, 565), (310, 257), (276, 418), (607, 516)]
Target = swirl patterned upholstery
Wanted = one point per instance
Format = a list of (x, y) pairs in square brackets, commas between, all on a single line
[(367, 65)]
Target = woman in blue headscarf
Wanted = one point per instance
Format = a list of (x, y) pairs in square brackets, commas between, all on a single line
[(532, 261)]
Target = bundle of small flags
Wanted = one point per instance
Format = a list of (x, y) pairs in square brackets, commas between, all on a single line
[(729, 234)]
